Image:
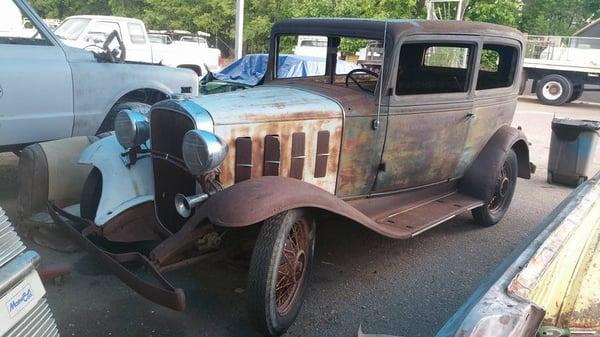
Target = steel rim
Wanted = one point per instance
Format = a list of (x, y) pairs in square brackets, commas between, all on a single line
[(502, 190), (552, 90), (292, 266)]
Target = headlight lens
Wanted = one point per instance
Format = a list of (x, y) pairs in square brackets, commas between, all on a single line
[(131, 128), (203, 151)]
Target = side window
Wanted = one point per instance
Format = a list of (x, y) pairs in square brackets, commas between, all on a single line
[(100, 30), (497, 66), (136, 33), (17, 28), (434, 68)]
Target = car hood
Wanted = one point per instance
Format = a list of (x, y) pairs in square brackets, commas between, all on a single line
[(269, 103)]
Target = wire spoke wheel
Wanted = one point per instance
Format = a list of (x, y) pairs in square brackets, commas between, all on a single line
[(292, 267), (500, 189), (279, 270), (503, 184)]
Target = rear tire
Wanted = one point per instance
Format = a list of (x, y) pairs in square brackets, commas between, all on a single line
[(279, 270), (90, 195), (577, 93), (502, 185), (554, 89)]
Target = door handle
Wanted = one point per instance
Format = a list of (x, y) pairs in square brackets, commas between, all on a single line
[(469, 115)]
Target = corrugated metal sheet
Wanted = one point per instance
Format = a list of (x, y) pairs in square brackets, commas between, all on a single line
[(38, 323), (10, 243)]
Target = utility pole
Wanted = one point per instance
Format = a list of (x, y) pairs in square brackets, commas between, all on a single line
[(239, 28), (431, 9)]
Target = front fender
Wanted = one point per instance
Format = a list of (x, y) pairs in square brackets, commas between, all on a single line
[(254, 200), (122, 187)]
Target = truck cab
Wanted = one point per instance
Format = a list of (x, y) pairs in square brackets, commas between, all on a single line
[(86, 31)]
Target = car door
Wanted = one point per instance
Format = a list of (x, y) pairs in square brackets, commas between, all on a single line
[(430, 110), (138, 47), (36, 93)]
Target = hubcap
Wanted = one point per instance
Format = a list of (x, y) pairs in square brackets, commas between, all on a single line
[(552, 90), (502, 188), (292, 267)]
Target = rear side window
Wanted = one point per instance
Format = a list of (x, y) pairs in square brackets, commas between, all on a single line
[(136, 33), (497, 67), (434, 68)]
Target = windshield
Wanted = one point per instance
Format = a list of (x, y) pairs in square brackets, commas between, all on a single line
[(71, 28)]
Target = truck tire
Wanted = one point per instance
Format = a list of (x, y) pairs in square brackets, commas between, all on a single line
[(554, 89), (577, 92), (279, 270), (109, 121), (502, 188)]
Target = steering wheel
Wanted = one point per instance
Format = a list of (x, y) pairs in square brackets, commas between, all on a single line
[(360, 70), (116, 55)]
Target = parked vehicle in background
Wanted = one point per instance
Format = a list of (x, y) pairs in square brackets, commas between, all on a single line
[(23, 307), (250, 70), (310, 45), (85, 31), (561, 67), (52, 91), (550, 280), (398, 151)]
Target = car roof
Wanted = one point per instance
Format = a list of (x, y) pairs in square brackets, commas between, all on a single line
[(103, 17), (374, 28)]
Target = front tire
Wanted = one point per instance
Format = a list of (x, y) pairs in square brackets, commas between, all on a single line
[(279, 270), (503, 188)]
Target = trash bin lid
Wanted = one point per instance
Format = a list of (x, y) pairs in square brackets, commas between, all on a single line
[(569, 129)]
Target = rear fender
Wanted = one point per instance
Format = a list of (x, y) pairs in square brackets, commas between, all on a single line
[(252, 201), (492, 156), (122, 187)]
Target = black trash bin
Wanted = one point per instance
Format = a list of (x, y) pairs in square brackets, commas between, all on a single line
[(572, 150)]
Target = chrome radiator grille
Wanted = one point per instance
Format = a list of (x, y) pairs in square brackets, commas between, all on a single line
[(167, 129)]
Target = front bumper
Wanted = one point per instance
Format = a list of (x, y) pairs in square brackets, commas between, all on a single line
[(83, 232)]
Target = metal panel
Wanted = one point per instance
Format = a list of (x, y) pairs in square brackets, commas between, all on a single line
[(298, 155), (272, 157), (10, 244), (37, 323), (243, 159)]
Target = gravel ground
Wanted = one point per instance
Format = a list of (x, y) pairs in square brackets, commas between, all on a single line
[(404, 288)]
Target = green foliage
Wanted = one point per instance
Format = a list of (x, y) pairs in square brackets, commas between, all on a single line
[(557, 17), (217, 17), (502, 12)]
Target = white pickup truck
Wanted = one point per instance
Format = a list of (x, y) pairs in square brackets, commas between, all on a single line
[(51, 91), (85, 31)]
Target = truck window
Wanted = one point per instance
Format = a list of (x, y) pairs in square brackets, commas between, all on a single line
[(434, 68), (71, 29), (497, 66), (17, 28), (136, 33), (100, 30)]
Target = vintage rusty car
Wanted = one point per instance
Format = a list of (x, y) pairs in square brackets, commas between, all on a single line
[(418, 137)]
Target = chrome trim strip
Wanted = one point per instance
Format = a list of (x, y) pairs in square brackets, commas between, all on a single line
[(13, 272)]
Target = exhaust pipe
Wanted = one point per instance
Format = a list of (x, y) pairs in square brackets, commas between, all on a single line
[(184, 205)]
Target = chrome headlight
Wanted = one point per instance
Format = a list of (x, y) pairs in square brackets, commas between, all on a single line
[(203, 151), (131, 128)]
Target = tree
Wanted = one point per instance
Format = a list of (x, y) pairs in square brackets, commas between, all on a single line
[(556, 17)]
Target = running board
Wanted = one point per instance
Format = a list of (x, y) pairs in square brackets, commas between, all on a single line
[(415, 220)]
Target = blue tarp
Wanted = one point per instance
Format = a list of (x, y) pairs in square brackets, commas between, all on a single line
[(251, 68)]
